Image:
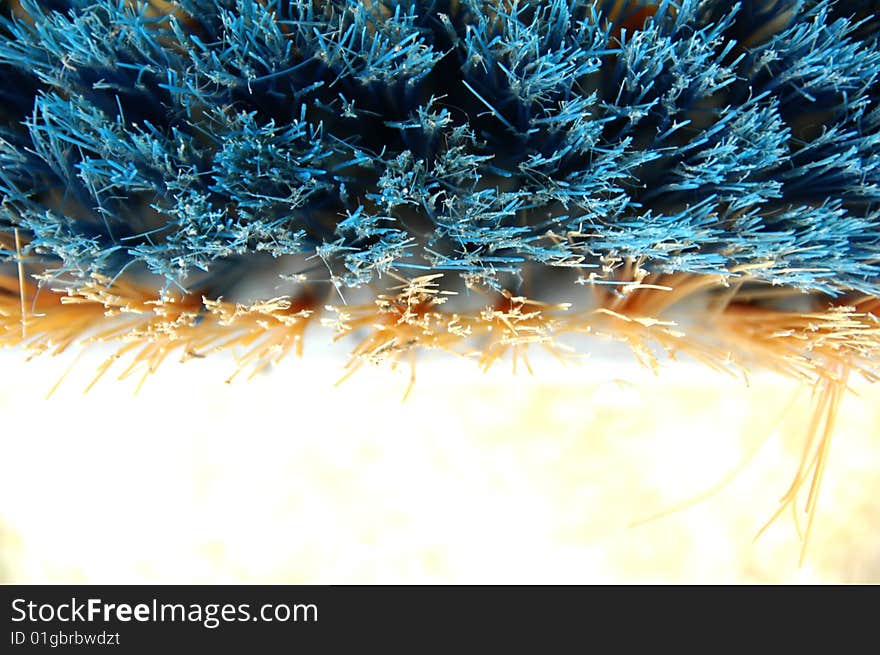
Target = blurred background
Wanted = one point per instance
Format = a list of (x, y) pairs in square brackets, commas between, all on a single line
[(479, 478)]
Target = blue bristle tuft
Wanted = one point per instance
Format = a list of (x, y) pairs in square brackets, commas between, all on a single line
[(472, 137)]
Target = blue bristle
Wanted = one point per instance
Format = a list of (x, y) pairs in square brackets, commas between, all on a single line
[(474, 137)]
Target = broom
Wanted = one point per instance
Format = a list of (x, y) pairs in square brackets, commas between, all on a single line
[(694, 179)]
